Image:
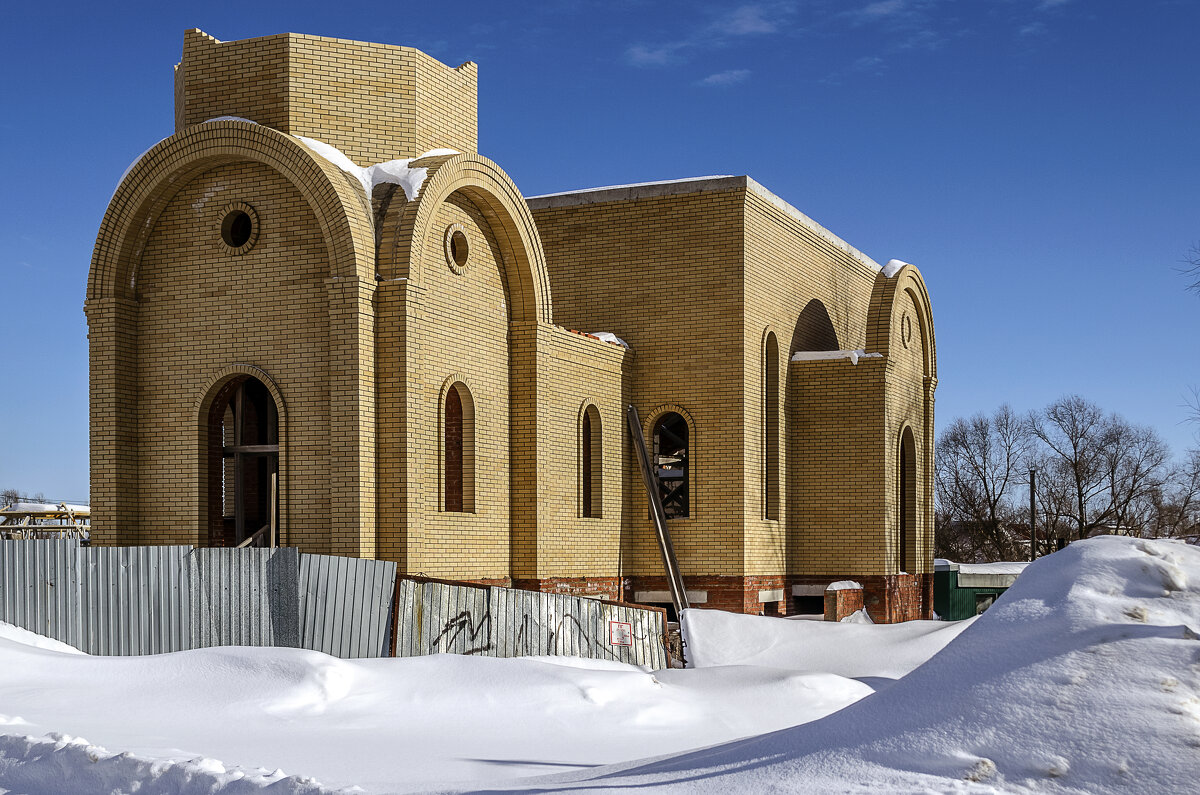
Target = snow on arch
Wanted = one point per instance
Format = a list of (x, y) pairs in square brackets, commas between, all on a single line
[(393, 172)]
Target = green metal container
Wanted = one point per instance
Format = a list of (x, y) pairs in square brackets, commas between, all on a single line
[(959, 594)]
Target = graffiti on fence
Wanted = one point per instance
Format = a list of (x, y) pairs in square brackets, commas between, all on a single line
[(462, 623)]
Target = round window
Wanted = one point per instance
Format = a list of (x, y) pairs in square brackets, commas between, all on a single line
[(458, 248), (236, 228), (239, 228)]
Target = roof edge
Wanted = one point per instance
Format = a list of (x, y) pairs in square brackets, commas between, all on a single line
[(674, 187), (636, 190), (814, 227)]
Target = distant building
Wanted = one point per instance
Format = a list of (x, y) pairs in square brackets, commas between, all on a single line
[(399, 350)]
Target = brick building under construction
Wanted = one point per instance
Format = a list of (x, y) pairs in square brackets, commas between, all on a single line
[(412, 361)]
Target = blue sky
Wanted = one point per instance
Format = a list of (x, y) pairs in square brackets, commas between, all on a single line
[(1037, 159)]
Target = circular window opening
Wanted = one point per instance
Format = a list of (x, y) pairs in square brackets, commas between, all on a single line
[(237, 228), (458, 248)]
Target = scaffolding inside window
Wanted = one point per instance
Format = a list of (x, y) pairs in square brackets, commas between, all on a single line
[(671, 464)]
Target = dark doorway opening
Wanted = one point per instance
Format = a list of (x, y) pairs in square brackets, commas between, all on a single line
[(243, 454)]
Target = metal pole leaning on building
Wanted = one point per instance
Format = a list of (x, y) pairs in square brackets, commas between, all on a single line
[(650, 479)]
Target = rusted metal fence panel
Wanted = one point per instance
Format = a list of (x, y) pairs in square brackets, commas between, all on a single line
[(346, 605), (134, 600), (244, 597), (437, 617), (39, 587)]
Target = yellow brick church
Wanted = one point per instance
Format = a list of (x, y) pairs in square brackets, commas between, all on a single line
[(316, 308)]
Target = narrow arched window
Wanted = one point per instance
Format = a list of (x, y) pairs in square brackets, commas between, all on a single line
[(671, 464), (458, 444), (770, 480), (591, 471), (907, 502)]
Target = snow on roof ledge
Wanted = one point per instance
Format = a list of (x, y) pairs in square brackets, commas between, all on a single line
[(634, 190), (673, 187), (608, 336), (396, 172), (844, 585), (819, 356), (893, 267)]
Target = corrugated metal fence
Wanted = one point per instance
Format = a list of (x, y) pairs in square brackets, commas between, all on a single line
[(503, 622), (150, 600), (346, 605)]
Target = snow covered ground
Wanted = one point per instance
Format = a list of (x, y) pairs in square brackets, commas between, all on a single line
[(1084, 677)]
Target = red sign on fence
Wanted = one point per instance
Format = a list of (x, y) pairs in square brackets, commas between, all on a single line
[(620, 633)]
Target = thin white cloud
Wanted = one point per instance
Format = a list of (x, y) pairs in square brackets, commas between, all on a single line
[(751, 19), (884, 8), (727, 78), (1034, 29), (747, 20), (646, 55)]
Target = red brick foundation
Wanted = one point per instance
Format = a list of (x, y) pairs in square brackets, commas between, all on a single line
[(842, 602), (735, 594), (888, 598), (600, 587)]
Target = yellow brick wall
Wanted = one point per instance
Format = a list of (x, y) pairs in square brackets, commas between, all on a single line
[(837, 488), (691, 276), (664, 274), (574, 371), (909, 404), (457, 327), (375, 102), (794, 277), (201, 310)]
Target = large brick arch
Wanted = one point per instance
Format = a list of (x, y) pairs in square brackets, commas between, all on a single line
[(884, 305), (335, 197), (491, 191)]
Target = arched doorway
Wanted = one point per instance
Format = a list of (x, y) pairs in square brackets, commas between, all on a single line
[(243, 464)]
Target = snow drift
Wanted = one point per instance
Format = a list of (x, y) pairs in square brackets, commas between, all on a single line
[(1083, 677), (227, 719), (716, 638)]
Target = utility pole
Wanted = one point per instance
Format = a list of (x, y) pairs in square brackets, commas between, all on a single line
[(1032, 514)]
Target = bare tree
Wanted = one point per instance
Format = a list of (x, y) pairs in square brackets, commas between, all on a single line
[(1174, 507), (978, 466), (1055, 502), (1191, 268), (1073, 431), (1135, 465)]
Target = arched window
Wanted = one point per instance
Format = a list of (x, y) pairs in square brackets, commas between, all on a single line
[(671, 464), (458, 450), (770, 375), (591, 471), (243, 456), (814, 329), (907, 502)]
